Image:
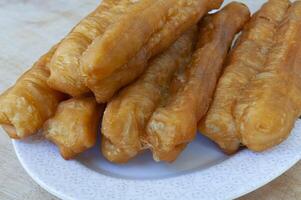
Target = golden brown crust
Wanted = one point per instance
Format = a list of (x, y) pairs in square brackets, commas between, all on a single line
[(126, 115), (30, 102), (74, 126), (174, 125), (271, 103), (169, 19), (245, 61), (105, 89), (132, 31), (64, 66)]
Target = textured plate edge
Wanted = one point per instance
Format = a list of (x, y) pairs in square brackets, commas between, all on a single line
[(65, 197), (37, 179), (252, 189)]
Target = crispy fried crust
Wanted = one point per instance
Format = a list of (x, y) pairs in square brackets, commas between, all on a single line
[(105, 89), (126, 115), (30, 102), (173, 125), (105, 55), (246, 60), (107, 67), (269, 106), (64, 66), (73, 128)]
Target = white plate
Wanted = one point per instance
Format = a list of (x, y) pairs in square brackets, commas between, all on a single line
[(201, 172)]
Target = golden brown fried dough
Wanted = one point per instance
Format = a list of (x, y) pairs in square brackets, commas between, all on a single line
[(245, 61), (174, 125), (121, 54), (105, 89), (126, 115), (271, 103), (74, 126), (65, 75), (30, 102)]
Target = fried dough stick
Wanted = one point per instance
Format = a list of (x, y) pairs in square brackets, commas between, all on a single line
[(65, 75), (30, 102), (174, 125), (74, 126), (126, 115), (245, 61), (107, 67), (269, 106)]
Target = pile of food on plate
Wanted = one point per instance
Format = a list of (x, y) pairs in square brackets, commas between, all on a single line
[(150, 73)]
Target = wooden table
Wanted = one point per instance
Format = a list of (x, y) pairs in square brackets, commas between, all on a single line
[(43, 23), (15, 184)]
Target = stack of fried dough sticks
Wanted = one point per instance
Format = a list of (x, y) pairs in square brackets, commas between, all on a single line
[(148, 74)]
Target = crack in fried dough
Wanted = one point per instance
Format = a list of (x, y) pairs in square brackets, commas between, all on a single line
[(126, 115), (245, 61), (30, 102), (65, 64), (107, 67), (174, 125), (74, 126), (268, 107)]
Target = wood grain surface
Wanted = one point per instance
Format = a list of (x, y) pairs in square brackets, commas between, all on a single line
[(33, 26)]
